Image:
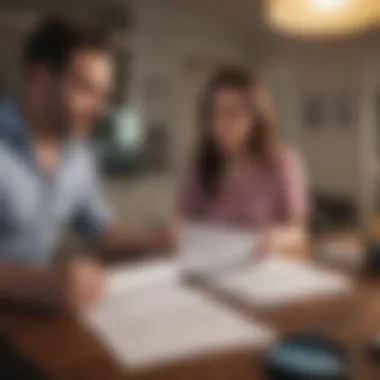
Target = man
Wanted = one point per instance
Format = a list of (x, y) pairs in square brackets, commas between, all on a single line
[(47, 175)]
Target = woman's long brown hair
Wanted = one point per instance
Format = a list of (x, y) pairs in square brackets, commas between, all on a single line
[(261, 144)]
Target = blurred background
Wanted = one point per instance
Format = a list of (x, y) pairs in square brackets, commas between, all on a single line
[(321, 59)]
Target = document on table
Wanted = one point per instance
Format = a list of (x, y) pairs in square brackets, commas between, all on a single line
[(205, 250), (277, 281), (147, 318)]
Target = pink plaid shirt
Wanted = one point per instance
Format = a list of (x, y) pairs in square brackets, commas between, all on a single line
[(272, 195)]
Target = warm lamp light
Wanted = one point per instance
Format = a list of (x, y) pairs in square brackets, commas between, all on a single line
[(323, 17), (327, 5)]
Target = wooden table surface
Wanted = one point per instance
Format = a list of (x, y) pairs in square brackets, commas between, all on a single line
[(66, 351)]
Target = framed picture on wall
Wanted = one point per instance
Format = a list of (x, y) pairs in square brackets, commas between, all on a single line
[(344, 109), (156, 148), (121, 81), (156, 86), (157, 96), (313, 111)]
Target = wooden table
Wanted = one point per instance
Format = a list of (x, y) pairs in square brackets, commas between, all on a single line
[(66, 351)]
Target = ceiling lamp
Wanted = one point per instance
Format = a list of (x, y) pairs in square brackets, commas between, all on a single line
[(323, 17)]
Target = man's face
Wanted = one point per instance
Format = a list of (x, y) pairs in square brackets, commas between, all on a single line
[(84, 90)]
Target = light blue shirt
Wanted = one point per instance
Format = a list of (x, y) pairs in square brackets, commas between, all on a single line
[(36, 207)]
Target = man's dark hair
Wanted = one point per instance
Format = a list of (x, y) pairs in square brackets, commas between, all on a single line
[(55, 40)]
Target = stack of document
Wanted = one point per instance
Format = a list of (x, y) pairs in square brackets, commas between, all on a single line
[(276, 281), (148, 318)]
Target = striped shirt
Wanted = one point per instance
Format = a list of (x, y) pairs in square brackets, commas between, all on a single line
[(35, 206)]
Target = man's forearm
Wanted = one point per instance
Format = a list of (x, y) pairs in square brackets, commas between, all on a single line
[(119, 244), (26, 283)]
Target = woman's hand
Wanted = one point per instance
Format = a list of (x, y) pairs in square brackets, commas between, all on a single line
[(287, 240)]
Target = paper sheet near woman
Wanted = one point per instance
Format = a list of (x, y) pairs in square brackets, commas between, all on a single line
[(226, 259), (277, 282)]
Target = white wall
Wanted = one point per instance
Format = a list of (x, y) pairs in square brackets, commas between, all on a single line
[(336, 157)]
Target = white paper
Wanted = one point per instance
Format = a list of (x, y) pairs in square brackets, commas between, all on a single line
[(204, 249), (129, 277), (157, 320), (277, 281)]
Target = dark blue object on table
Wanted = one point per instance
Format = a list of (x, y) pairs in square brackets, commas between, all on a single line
[(307, 356)]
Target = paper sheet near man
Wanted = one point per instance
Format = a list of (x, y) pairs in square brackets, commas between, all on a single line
[(148, 317), (160, 321)]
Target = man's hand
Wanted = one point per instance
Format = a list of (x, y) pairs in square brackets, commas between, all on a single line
[(82, 283), (118, 243), (162, 240)]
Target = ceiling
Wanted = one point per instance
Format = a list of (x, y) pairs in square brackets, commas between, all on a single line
[(245, 16), (242, 18), (69, 6)]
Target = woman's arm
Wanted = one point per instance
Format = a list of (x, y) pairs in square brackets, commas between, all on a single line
[(289, 232)]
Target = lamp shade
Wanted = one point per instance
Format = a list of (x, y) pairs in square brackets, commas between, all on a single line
[(323, 17)]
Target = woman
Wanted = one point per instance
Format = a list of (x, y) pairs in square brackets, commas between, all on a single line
[(242, 176)]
